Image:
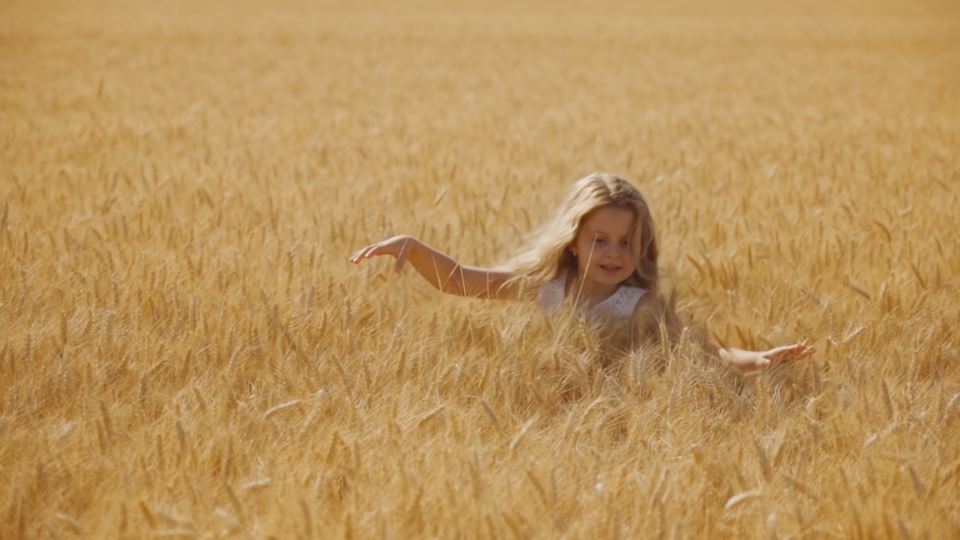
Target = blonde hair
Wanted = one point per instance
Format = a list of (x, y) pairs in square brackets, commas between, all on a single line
[(548, 251)]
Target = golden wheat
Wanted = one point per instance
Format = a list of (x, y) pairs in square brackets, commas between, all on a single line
[(185, 351)]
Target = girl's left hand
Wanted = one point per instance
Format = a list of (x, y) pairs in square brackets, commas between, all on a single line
[(785, 354), (752, 361)]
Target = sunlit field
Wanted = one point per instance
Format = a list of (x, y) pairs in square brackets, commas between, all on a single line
[(185, 350)]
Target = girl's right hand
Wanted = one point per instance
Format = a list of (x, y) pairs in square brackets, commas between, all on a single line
[(398, 246), (441, 271)]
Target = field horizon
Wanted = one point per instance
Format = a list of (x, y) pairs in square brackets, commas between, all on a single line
[(185, 350)]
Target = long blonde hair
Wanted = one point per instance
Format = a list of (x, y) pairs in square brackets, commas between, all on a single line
[(548, 251)]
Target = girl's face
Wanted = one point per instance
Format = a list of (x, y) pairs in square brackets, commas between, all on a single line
[(608, 245)]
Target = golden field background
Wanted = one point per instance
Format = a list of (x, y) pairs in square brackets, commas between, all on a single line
[(185, 350)]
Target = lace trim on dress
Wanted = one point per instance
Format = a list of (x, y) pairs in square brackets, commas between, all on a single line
[(620, 304)]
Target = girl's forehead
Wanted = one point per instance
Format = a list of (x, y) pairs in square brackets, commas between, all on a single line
[(611, 219)]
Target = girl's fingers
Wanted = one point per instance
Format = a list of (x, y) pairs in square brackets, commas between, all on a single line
[(792, 353), (364, 253), (357, 255)]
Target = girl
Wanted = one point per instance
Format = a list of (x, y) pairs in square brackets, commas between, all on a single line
[(598, 255)]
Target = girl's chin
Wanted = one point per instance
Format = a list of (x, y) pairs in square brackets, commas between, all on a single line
[(608, 278)]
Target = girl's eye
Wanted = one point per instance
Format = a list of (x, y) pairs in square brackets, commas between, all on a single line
[(599, 240)]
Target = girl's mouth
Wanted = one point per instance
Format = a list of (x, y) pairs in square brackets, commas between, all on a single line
[(610, 268)]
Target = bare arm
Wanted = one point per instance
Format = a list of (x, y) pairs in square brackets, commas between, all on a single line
[(656, 314), (440, 270)]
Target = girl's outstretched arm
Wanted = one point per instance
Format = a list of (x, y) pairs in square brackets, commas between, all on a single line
[(440, 270), (659, 316)]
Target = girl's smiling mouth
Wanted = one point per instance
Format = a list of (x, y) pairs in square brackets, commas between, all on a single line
[(610, 268)]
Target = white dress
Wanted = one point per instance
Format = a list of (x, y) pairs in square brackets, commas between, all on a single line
[(619, 305)]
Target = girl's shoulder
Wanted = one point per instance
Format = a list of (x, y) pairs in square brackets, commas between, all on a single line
[(649, 300)]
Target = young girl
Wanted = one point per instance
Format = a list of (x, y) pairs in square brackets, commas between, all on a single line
[(598, 255)]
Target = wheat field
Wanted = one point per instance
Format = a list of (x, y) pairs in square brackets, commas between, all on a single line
[(185, 350)]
